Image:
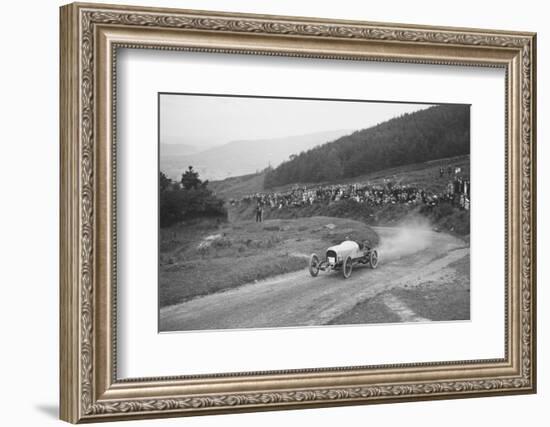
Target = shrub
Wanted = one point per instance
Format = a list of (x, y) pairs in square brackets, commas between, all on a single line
[(188, 202)]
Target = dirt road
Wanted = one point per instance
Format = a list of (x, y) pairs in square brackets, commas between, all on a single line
[(408, 256)]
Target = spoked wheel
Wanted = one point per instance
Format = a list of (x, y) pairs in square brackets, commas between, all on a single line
[(347, 267), (373, 258), (314, 265)]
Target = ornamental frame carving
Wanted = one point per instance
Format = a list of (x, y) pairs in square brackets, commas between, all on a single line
[(90, 36)]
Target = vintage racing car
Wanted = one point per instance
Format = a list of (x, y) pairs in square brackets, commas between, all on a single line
[(343, 256)]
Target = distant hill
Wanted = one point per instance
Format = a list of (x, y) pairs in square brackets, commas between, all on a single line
[(434, 133), (243, 157), (167, 150)]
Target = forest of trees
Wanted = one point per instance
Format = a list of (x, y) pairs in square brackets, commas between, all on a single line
[(187, 199), (433, 133)]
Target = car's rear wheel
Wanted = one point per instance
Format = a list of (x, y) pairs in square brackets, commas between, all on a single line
[(347, 267), (314, 265), (373, 258)]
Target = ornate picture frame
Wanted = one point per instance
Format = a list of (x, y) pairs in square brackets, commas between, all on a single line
[(90, 37)]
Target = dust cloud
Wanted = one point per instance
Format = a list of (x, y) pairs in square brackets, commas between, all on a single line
[(413, 235)]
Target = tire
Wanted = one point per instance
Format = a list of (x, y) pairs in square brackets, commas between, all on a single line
[(347, 267), (313, 265), (373, 258)]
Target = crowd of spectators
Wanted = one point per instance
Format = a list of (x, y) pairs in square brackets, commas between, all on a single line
[(457, 192)]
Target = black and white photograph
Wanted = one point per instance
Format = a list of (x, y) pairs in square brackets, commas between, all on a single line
[(293, 212)]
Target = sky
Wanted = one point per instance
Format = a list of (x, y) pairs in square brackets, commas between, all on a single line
[(209, 121)]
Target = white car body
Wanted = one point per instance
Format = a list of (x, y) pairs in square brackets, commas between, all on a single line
[(343, 256), (343, 250)]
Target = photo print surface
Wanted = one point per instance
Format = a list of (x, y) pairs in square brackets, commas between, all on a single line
[(293, 212)]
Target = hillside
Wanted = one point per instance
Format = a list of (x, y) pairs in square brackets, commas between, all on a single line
[(242, 157), (424, 175), (239, 186), (433, 133)]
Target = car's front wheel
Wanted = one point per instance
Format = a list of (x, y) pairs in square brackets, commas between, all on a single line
[(373, 258), (314, 265), (347, 267)]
